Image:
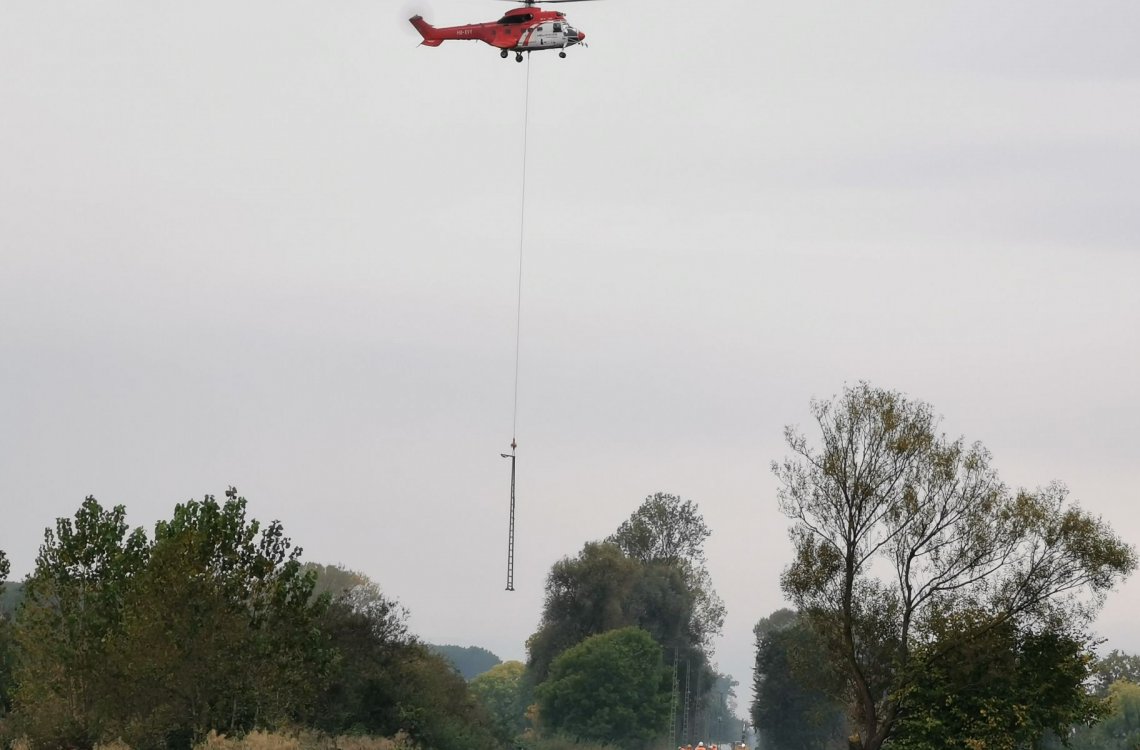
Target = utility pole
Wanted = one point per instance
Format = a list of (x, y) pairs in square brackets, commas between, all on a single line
[(673, 702), (685, 714), (511, 531)]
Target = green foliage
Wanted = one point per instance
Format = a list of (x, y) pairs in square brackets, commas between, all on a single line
[(720, 711), (11, 595), (793, 707), (469, 661), (437, 709), (649, 574), (664, 528), (227, 618), (1119, 729), (1122, 725), (383, 682), (611, 687), (368, 634), (7, 666), (6, 653), (71, 619), (501, 691), (667, 535), (905, 539), (585, 596), (216, 626), (1115, 667), (211, 626), (1002, 691)]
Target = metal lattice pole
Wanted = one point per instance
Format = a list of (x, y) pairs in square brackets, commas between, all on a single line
[(699, 710), (673, 702), (685, 713), (511, 530)]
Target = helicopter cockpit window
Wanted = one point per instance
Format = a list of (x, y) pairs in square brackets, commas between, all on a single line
[(558, 27), (516, 18)]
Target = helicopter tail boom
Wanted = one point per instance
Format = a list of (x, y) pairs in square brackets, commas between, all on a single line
[(431, 36)]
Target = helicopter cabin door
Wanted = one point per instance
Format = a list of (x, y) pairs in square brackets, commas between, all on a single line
[(544, 36)]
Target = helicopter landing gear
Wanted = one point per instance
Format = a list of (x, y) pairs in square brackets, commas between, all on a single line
[(518, 57), (562, 54), (503, 54)]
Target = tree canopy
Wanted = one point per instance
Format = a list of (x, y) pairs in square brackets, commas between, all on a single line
[(650, 574), (1120, 728), (1005, 689), (383, 681), (501, 691), (793, 707), (611, 687), (1116, 666), (213, 624), (6, 655), (664, 528), (900, 532)]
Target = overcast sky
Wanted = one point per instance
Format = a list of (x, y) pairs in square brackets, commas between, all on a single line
[(274, 244)]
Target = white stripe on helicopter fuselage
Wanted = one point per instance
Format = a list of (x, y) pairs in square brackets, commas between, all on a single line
[(553, 40)]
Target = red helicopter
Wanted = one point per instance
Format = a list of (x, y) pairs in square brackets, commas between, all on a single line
[(525, 29)]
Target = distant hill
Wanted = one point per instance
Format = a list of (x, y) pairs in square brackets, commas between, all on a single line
[(469, 661), (11, 598)]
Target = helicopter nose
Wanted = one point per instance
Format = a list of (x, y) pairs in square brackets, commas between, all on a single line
[(581, 36)]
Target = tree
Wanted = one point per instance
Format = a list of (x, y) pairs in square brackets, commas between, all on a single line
[(226, 618), (501, 691), (792, 707), (1120, 729), (668, 533), (611, 687), (602, 589), (650, 573), (1004, 690), (11, 595), (1115, 667), (436, 707), (7, 666), (383, 681), (585, 596), (6, 654), (210, 626), (368, 633), (900, 532), (664, 528), (674, 598), (71, 618), (721, 724)]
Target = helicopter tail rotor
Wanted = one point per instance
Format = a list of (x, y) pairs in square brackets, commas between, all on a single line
[(416, 9)]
